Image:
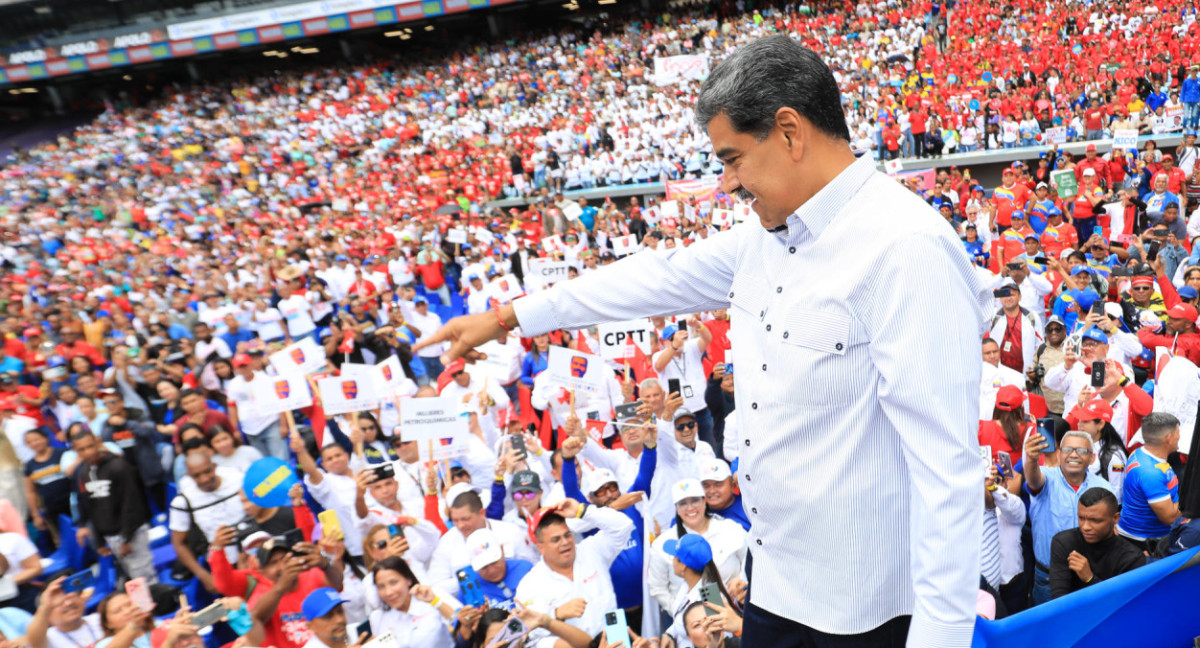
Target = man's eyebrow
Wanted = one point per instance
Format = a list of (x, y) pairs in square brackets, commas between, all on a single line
[(725, 153)]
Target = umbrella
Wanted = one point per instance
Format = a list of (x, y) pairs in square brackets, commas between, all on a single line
[(897, 58), (448, 208)]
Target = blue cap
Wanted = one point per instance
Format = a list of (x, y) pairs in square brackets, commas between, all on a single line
[(1084, 298), (1093, 333), (1187, 292), (669, 332), (342, 257), (320, 602), (1080, 269), (1017, 213), (692, 550), (472, 276), (420, 300)]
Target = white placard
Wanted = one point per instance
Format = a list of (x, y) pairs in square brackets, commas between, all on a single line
[(625, 245), (573, 211), (892, 167), (670, 209), (369, 377), (340, 205), (616, 336), (504, 289), (722, 218), (391, 374), (501, 363), (424, 419), (548, 272), (304, 357), (1056, 135), (343, 395), (456, 235), (1125, 139), (443, 449), (574, 370), (553, 244), (281, 394), (742, 212)]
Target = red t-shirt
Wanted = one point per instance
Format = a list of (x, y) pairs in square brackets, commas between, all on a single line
[(431, 275), (288, 628), (991, 434), (715, 353)]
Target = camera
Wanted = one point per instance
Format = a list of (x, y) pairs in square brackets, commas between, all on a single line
[(514, 625), (1002, 292)]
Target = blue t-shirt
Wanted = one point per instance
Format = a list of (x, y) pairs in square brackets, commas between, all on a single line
[(9, 363), (500, 595), (1147, 479), (735, 512)]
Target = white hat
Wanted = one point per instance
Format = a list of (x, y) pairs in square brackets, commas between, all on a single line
[(1089, 171), (686, 489), (714, 470), (255, 539), (596, 479), (484, 549), (456, 490)]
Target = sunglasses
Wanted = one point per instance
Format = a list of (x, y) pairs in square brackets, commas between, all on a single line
[(1141, 288), (381, 544), (524, 495), (680, 427), (1055, 329)]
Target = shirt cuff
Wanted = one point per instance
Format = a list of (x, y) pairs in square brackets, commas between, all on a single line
[(535, 314), (927, 633)]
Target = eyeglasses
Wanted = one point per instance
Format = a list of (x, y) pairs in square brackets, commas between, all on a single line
[(689, 502), (680, 427), (1071, 450), (1142, 288), (381, 544), (525, 495)]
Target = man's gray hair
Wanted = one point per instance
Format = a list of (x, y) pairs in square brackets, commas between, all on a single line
[(1157, 426), (1076, 434), (765, 75), (649, 382)]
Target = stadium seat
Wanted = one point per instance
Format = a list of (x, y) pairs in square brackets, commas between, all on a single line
[(106, 582), (164, 555), (70, 555)]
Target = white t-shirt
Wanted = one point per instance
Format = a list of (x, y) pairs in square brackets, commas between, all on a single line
[(688, 367), (210, 510), (85, 635), (15, 548), (268, 323), (242, 457), (250, 417), (295, 310)]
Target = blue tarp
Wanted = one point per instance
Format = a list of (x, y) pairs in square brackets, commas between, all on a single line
[(1155, 606)]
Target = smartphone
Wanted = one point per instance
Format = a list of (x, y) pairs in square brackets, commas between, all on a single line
[(1098, 371), (1014, 266), (1046, 427), (593, 416), (139, 592), (364, 631), (673, 387), (1098, 231), (1005, 461), (290, 539), (209, 615), (468, 586), (616, 629), (511, 635), (384, 471), (711, 593), (728, 367), (78, 582), (330, 526), (518, 444), (1097, 307), (396, 530), (1152, 250), (627, 410)]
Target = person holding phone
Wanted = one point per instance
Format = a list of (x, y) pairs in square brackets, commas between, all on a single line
[(1054, 496), (1075, 372), (692, 562), (682, 358), (1002, 562), (415, 614)]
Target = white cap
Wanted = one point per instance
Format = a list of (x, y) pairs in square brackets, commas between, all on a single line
[(484, 549), (1089, 171), (686, 489), (596, 479), (456, 490), (1113, 310), (714, 470), (255, 539)]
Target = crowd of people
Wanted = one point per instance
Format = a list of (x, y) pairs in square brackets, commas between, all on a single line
[(156, 261)]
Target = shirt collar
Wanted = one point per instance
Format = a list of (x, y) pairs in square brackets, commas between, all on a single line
[(816, 214)]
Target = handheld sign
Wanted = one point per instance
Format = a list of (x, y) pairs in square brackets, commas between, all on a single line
[(574, 370), (431, 419), (616, 336), (670, 209), (741, 212), (281, 394), (303, 357), (573, 211), (505, 289), (391, 374), (346, 395), (625, 245), (553, 244), (1065, 182), (456, 235), (722, 218), (1125, 138), (268, 481), (548, 272)]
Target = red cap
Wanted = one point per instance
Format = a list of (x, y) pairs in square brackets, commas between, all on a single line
[(1183, 311), (241, 360), (447, 375), (1009, 398), (1091, 148), (1097, 408), (32, 331), (1168, 156), (535, 520), (1142, 280)]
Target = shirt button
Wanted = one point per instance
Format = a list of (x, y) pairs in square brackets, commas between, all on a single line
[(764, 367), (759, 542), (839, 346), (754, 510), (747, 442), (731, 295), (792, 250), (762, 313), (747, 477), (785, 334), (753, 405), (779, 289), (768, 327)]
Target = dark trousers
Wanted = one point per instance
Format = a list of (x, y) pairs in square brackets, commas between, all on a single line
[(761, 628)]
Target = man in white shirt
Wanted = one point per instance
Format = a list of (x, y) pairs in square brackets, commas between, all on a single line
[(571, 582), (428, 323), (326, 619), (59, 621), (468, 516), (682, 359), (481, 394), (261, 430), (297, 312), (334, 488), (208, 346), (1076, 371), (208, 498)]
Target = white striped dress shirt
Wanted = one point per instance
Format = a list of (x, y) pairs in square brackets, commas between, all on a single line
[(857, 333)]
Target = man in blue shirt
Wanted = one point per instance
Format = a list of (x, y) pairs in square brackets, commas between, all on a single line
[(496, 575), (1054, 496), (1189, 96), (1151, 490), (720, 492)]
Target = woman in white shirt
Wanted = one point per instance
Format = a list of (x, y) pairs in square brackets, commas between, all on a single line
[(726, 538), (268, 321), (412, 612), (231, 453), (693, 563)]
